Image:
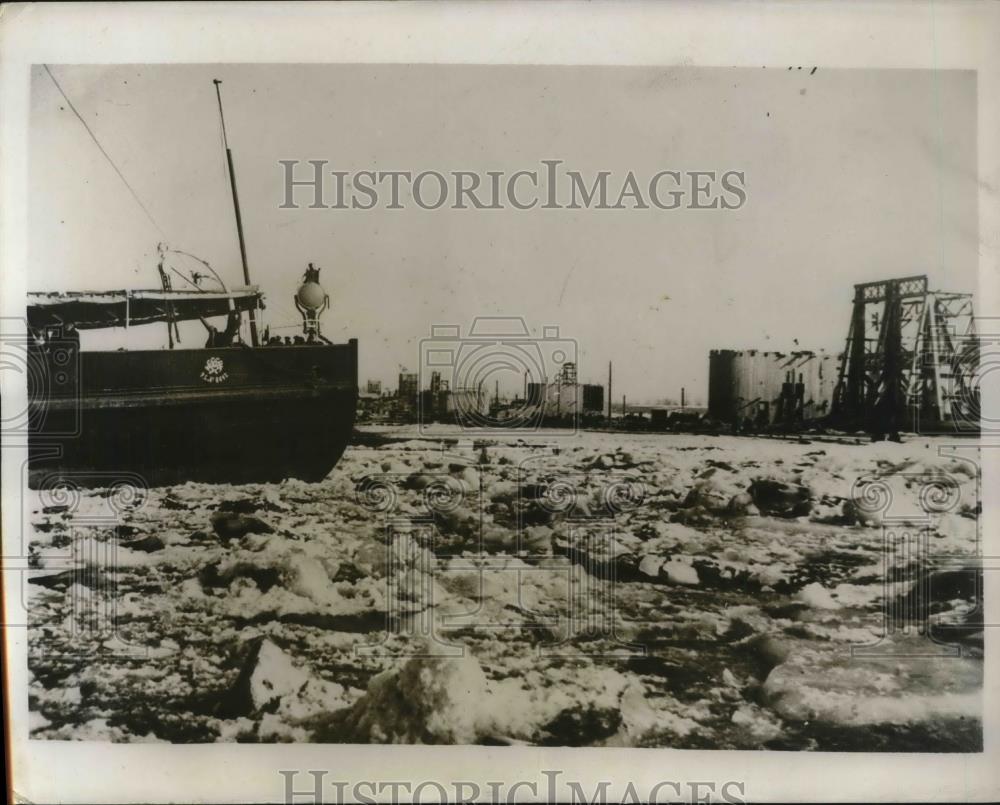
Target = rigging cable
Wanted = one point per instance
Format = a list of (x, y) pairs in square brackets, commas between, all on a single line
[(189, 281), (106, 155), (218, 279)]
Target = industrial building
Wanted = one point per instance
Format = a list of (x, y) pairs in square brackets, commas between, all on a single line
[(565, 396), (465, 403), (407, 395), (408, 388), (373, 405), (433, 399), (444, 404), (752, 387)]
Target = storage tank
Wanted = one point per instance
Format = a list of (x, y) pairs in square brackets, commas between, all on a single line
[(769, 387)]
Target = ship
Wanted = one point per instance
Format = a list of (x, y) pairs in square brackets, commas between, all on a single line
[(240, 409)]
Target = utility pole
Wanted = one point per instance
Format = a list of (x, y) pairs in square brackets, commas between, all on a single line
[(609, 392)]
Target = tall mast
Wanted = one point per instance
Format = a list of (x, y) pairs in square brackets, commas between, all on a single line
[(236, 206)]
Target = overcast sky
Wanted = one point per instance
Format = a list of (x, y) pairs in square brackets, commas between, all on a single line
[(851, 175)]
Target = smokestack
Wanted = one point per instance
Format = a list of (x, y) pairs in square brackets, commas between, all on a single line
[(609, 391), (682, 396)]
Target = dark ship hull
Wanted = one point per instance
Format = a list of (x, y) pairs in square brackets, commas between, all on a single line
[(229, 415)]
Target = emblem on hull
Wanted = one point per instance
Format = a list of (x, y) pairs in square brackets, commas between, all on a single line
[(214, 371)]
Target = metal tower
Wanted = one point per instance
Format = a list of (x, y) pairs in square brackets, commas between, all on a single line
[(910, 359)]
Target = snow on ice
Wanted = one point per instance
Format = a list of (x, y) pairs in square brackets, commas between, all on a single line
[(437, 590)]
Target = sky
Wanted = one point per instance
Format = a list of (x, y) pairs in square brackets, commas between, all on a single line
[(850, 175)]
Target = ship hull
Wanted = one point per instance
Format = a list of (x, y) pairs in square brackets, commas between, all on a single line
[(230, 415)]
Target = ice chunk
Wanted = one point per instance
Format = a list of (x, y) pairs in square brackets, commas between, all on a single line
[(816, 595), (678, 572)]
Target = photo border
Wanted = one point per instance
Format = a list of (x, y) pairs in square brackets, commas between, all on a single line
[(887, 35)]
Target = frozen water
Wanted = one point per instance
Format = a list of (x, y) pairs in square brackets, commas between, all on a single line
[(619, 590)]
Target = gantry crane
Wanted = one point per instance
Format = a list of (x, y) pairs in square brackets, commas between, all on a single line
[(910, 361)]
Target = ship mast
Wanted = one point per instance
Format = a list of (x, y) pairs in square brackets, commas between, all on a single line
[(236, 206)]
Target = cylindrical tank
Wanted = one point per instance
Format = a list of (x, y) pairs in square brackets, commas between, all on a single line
[(782, 384)]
